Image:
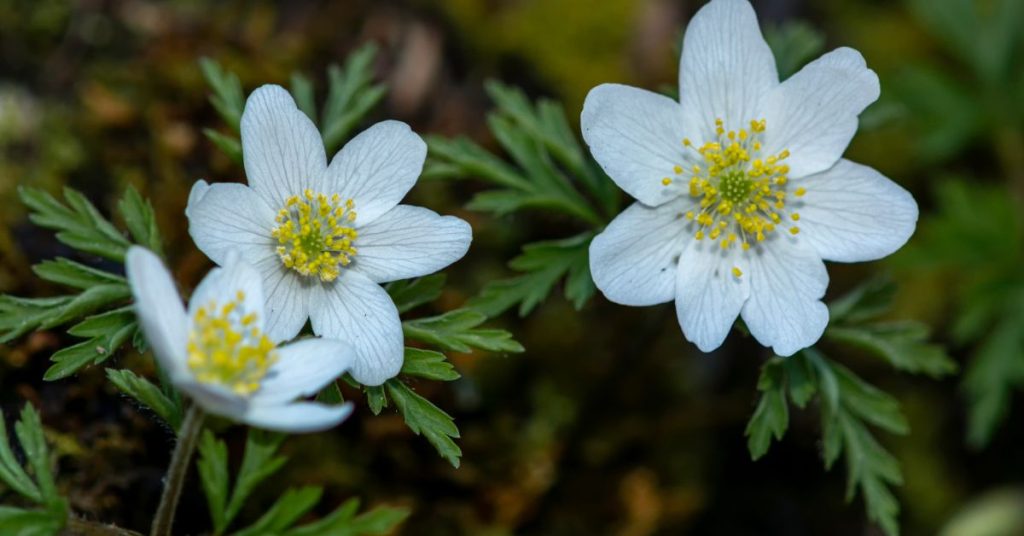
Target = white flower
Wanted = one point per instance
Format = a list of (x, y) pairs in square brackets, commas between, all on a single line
[(218, 354), (324, 237), (740, 185)]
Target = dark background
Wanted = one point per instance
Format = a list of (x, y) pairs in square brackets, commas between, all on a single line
[(610, 423)]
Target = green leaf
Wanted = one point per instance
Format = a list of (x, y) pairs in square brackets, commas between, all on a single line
[(411, 293), (23, 522), (344, 522), (870, 468), (800, 380), (147, 394), (794, 43), (544, 264), (865, 302), (425, 418), (904, 344), (19, 316), (228, 145), (350, 96), (227, 97), (428, 364), (996, 369), (258, 463), (213, 474), (87, 302), (771, 418), (376, 398), (291, 506), (302, 91), (11, 471), (461, 158), (73, 274), (78, 223), (29, 430), (141, 221), (95, 350), (946, 114), (550, 163), (457, 331)]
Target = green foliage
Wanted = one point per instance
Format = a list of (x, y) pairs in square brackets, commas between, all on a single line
[(428, 364), (167, 406), (543, 264), (351, 96), (77, 221), (549, 171), (794, 44), (457, 331), (976, 240), (903, 343), (409, 294), (259, 463), (848, 406), (50, 511), (982, 96), (98, 308), (423, 417)]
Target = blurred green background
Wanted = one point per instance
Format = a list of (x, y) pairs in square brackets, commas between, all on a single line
[(610, 423)]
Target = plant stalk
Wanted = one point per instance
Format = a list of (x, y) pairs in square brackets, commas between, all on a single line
[(188, 436)]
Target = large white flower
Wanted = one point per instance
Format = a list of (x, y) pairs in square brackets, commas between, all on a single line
[(740, 185), (325, 236), (218, 354)]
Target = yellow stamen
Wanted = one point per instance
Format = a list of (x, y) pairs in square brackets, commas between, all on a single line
[(315, 234), (226, 349)]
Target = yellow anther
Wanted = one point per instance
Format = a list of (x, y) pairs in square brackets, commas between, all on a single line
[(666, 181), (794, 230), (742, 192), (736, 272), (315, 234), (225, 348), (800, 191), (795, 216)]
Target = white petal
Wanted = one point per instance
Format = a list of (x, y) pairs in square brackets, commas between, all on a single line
[(288, 296), (214, 398), (358, 311), (223, 217), (726, 68), (633, 261), (159, 309), (197, 192), (852, 213), (636, 136), (281, 148), (298, 417), (222, 285), (302, 369), (409, 241), (377, 168), (814, 113), (787, 282), (709, 295)]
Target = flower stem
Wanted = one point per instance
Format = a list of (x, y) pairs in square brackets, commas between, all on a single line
[(82, 527), (188, 436)]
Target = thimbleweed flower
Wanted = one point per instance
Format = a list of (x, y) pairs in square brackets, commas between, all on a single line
[(741, 188), (218, 353), (323, 237)]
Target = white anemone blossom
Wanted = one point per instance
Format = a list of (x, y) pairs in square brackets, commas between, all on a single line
[(741, 187), (218, 354), (323, 237)]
